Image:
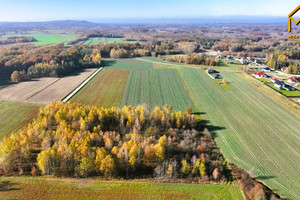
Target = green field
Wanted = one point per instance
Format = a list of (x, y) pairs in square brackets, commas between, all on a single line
[(264, 80), (45, 39), (14, 116), (153, 86), (91, 41), (106, 89), (156, 88), (41, 188), (103, 40), (144, 85), (252, 130)]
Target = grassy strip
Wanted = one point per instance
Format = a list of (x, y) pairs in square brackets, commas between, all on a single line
[(198, 116), (221, 85), (69, 96), (45, 188), (264, 80), (103, 40), (286, 93)]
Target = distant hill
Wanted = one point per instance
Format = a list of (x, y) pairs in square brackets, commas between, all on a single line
[(201, 20), (47, 24)]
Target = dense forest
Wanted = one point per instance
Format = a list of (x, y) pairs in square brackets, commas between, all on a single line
[(39, 61), (68, 139), (13, 40)]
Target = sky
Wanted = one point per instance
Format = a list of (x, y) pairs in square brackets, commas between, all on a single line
[(95, 10)]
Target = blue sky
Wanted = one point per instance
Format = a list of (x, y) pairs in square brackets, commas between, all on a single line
[(41, 10)]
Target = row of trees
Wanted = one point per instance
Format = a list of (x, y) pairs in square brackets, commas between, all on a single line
[(13, 40), (136, 50), (68, 139), (282, 59), (92, 34), (198, 59), (54, 60), (73, 60)]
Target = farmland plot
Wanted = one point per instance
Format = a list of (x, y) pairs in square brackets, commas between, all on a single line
[(156, 88), (103, 40), (44, 90), (253, 131), (129, 63), (106, 89), (140, 88), (45, 39), (14, 116), (170, 90)]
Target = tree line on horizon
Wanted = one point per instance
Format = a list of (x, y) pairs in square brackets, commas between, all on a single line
[(25, 61)]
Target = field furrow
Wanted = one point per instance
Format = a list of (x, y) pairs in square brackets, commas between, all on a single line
[(105, 89), (156, 88), (13, 116)]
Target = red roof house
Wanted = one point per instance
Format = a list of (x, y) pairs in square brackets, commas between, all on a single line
[(294, 79), (259, 74), (273, 80)]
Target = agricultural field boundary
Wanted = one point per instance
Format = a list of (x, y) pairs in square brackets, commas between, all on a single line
[(182, 65), (165, 63), (262, 169), (105, 89), (81, 85)]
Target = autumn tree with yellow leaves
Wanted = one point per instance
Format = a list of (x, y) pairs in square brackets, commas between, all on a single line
[(69, 139)]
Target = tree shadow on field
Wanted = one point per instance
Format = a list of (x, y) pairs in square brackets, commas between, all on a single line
[(213, 129), (107, 63), (265, 177), (8, 186), (199, 113), (5, 82)]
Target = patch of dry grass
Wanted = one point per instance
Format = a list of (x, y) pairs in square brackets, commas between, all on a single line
[(45, 188)]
